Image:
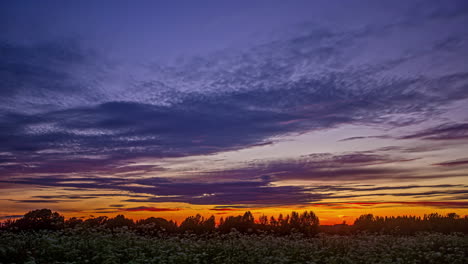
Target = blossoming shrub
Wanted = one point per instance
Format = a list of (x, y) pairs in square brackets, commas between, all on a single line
[(97, 245)]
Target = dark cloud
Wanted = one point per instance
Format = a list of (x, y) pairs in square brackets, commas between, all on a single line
[(362, 137), (70, 197), (165, 190), (151, 209), (116, 205), (433, 10), (85, 197), (459, 162), (224, 209), (448, 131), (230, 207), (38, 201), (47, 75), (356, 166), (105, 212), (436, 204), (421, 147), (238, 100), (43, 66), (432, 194), (138, 131), (234, 195), (334, 188), (231, 193), (352, 138)]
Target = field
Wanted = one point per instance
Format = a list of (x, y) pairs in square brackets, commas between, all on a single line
[(123, 246)]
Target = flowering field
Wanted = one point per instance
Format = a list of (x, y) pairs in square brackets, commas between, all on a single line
[(122, 246)]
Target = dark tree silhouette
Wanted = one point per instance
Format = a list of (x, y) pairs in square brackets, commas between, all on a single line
[(244, 223), (95, 221), (155, 225), (118, 222), (306, 223), (198, 224), (40, 219), (73, 222), (406, 225)]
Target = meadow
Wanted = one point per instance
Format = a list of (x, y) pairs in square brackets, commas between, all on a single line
[(124, 246), (43, 236)]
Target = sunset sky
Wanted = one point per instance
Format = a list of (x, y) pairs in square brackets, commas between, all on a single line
[(173, 108)]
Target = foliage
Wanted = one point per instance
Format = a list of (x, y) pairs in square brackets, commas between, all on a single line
[(407, 225), (102, 245), (243, 223), (40, 219), (306, 223), (198, 224)]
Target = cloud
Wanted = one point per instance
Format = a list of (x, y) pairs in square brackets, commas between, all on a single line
[(38, 201), (69, 197), (151, 209), (302, 82), (48, 75), (232, 195), (451, 193), (352, 166), (352, 138), (252, 193), (27, 67), (437, 204), (170, 190), (459, 162), (433, 10), (105, 211), (60, 118), (364, 137), (230, 207), (224, 209), (367, 188), (448, 131)]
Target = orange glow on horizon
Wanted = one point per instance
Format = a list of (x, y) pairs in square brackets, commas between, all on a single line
[(327, 215)]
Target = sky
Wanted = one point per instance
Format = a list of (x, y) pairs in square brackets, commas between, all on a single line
[(173, 108)]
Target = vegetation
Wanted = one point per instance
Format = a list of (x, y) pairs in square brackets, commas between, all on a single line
[(43, 236), (306, 223), (98, 245), (44, 219), (407, 225)]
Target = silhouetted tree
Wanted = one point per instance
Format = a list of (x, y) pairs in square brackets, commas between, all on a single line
[(263, 223), (306, 222), (40, 219), (406, 225), (309, 223), (364, 222), (244, 223), (273, 223), (154, 225), (95, 221), (209, 224), (119, 221), (73, 222), (198, 224)]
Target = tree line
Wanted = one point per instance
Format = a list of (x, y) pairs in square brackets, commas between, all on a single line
[(412, 224), (306, 223)]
